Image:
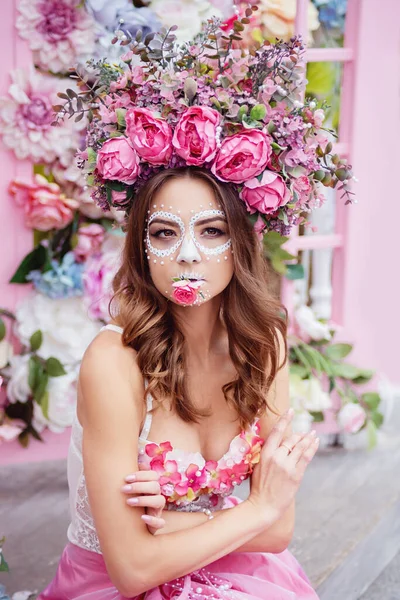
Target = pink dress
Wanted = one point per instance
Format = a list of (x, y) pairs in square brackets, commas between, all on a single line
[(189, 483)]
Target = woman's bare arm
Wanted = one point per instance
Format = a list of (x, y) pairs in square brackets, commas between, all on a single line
[(110, 411)]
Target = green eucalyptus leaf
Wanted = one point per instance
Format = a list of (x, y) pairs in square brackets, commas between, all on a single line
[(3, 329), (364, 377), (345, 371), (338, 351), (35, 371), (54, 368), (44, 405), (372, 434), (317, 416), (377, 418), (258, 112), (371, 399), (41, 388), (36, 340), (294, 272)]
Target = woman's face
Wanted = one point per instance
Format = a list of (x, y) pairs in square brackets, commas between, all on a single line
[(187, 242)]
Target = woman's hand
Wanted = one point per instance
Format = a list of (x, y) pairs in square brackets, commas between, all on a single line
[(277, 477), (144, 490)]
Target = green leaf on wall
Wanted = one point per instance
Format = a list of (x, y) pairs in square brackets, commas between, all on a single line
[(338, 351), (294, 272), (371, 399), (36, 340), (54, 368), (34, 260), (3, 330)]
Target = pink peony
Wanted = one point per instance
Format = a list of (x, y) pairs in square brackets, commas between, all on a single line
[(90, 239), (351, 417), (242, 156), (44, 205), (150, 136), (267, 195), (195, 135), (118, 161)]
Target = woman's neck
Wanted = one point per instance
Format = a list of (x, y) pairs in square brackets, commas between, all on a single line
[(203, 331)]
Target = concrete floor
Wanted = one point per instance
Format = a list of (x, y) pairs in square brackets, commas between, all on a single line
[(347, 534)]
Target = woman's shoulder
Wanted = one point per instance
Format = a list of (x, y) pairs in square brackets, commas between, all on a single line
[(109, 370)]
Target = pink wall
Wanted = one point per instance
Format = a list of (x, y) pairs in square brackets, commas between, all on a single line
[(16, 240), (371, 290)]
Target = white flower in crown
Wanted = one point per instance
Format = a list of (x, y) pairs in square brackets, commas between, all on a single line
[(188, 15), (66, 328)]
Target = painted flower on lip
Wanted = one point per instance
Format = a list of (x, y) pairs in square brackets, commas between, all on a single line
[(150, 136), (186, 291), (195, 136), (242, 156)]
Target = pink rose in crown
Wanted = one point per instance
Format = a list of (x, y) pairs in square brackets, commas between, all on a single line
[(195, 135), (242, 156), (117, 160), (186, 291), (267, 195), (150, 136)]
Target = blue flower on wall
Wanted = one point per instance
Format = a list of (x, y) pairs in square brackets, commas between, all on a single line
[(332, 13), (63, 280)]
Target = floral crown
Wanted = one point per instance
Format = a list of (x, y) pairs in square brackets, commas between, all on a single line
[(212, 104)]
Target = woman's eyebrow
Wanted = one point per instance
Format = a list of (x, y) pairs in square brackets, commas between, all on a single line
[(164, 222)]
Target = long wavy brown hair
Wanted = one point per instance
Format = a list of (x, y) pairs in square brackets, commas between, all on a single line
[(252, 315)]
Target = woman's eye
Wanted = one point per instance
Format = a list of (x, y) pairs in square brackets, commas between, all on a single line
[(213, 232), (163, 233)]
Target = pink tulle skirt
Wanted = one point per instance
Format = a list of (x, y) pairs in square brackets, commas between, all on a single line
[(82, 575)]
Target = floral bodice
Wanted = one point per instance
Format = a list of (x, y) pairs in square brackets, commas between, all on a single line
[(189, 482)]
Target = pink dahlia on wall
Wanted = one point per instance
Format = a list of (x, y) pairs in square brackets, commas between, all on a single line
[(59, 32), (26, 114)]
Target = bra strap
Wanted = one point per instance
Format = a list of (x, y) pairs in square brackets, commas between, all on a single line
[(112, 327), (147, 422)]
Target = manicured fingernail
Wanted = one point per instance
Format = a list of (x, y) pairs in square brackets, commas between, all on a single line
[(290, 412), (126, 488), (313, 433), (132, 501), (130, 478), (316, 441), (146, 518)]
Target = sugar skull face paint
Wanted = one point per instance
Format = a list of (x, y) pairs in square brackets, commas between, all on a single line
[(187, 242)]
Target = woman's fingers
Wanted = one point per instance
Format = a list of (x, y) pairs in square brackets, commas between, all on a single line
[(301, 447), (156, 501), (275, 438), (139, 487), (154, 522), (307, 456), (145, 475)]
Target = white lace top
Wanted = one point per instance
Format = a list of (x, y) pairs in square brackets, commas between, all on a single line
[(187, 480)]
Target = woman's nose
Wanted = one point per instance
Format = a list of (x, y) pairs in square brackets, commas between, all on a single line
[(188, 252)]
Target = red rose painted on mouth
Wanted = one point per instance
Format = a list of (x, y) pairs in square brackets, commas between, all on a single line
[(186, 291)]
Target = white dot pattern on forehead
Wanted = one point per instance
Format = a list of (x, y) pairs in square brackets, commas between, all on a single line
[(174, 248), (202, 215)]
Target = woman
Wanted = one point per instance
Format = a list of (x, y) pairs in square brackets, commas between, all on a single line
[(202, 334)]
